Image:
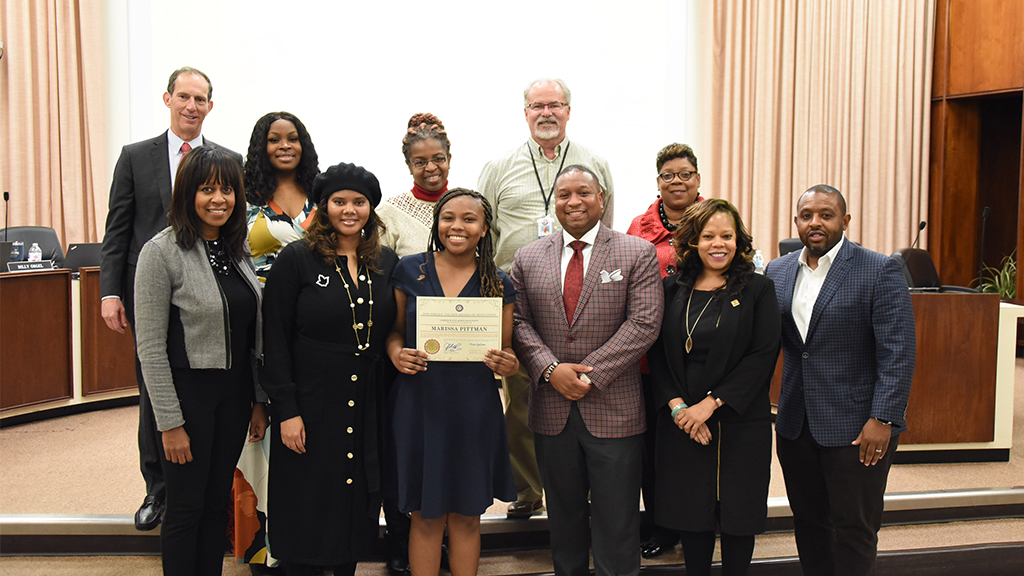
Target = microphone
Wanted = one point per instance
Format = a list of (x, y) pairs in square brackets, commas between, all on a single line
[(7, 213), (981, 249), (920, 227)]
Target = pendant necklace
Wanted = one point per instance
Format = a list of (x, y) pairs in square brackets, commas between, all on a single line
[(357, 326), (686, 320)]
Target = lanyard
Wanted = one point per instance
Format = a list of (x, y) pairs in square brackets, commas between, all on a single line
[(547, 198)]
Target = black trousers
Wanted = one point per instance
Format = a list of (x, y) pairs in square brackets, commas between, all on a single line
[(151, 451), (216, 405), (573, 464), (837, 504)]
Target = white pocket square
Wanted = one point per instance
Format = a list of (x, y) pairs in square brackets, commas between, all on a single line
[(613, 276)]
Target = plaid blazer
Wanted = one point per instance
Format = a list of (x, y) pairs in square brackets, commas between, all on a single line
[(858, 360), (617, 319)]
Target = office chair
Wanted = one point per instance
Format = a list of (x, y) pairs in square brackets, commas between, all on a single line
[(42, 235), (788, 245), (919, 270)]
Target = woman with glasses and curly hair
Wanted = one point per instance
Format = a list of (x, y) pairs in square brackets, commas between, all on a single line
[(678, 188), (409, 215), (711, 369)]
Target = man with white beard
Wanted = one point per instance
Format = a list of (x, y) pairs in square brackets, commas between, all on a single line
[(520, 186)]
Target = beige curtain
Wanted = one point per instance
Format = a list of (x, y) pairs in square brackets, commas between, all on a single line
[(822, 92), (52, 116)]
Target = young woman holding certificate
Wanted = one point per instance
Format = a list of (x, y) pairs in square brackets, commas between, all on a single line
[(450, 449), (329, 309)]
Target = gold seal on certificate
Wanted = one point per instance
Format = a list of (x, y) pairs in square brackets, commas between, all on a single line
[(458, 329)]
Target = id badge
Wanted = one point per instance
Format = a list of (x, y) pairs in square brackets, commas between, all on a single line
[(545, 226)]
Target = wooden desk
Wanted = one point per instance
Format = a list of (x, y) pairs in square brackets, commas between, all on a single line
[(108, 357), (35, 337), (55, 350)]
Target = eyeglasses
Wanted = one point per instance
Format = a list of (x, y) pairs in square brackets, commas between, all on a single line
[(421, 163), (553, 106), (670, 176)]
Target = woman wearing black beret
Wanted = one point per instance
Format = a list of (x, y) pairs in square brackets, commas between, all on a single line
[(330, 305)]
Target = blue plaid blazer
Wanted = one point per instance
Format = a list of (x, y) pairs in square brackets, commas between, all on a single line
[(617, 320), (858, 360)]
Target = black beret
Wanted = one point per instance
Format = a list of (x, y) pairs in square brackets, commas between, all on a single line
[(346, 176)]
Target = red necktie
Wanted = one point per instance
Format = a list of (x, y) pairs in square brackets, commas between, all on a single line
[(573, 284), (185, 148)]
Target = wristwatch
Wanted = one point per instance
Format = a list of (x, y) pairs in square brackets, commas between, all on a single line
[(550, 369)]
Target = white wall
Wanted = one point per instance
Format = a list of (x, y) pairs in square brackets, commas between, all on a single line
[(355, 71)]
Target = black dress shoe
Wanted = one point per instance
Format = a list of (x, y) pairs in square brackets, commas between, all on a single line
[(150, 514), (521, 510), (397, 552), (656, 546)]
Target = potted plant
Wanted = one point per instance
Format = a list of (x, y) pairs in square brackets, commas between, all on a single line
[(1001, 280)]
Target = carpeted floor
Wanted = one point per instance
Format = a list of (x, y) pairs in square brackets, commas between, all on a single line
[(87, 464)]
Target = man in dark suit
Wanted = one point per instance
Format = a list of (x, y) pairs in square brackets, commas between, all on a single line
[(849, 344), (589, 305), (140, 196)]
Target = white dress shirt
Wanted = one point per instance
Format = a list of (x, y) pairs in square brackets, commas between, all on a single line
[(174, 151), (567, 251), (808, 286)]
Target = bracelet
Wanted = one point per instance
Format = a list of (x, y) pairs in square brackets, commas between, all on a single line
[(680, 406), (547, 373)]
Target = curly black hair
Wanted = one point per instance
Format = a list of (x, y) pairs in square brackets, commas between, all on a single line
[(260, 176), (687, 237)]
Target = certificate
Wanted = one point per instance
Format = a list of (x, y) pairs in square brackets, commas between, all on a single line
[(458, 329)]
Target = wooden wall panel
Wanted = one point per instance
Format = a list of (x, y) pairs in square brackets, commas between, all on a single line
[(108, 358), (985, 40), (940, 63), (35, 337), (955, 229), (953, 399), (999, 173)]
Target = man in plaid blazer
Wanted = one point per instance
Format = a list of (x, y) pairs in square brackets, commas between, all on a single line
[(849, 344), (589, 305)]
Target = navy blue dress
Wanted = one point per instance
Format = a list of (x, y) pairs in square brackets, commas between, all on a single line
[(449, 447)]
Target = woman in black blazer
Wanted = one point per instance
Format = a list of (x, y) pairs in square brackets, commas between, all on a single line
[(711, 370)]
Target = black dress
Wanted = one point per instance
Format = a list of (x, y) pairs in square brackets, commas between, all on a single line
[(450, 446), (724, 485), (324, 505)]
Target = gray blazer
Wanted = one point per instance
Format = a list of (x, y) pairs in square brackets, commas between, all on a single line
[(168, 275)]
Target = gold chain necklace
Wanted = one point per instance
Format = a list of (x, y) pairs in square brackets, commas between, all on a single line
[(357, 326), (686, 320)]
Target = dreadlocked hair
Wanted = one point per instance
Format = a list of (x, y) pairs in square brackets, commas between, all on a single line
[(322, 238), (260, 175), (490, 284), (424, 126), (687, 238)]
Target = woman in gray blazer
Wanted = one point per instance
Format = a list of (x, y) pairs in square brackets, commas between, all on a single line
[(197, 314)]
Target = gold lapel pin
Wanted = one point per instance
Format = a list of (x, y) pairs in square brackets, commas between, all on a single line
[(735, 303)]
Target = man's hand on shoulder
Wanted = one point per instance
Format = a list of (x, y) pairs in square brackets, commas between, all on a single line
[(112, 311), (873, 441), (566, 379)]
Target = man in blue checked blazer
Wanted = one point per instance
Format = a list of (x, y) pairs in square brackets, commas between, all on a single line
[(849, 345), (589, 304)]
